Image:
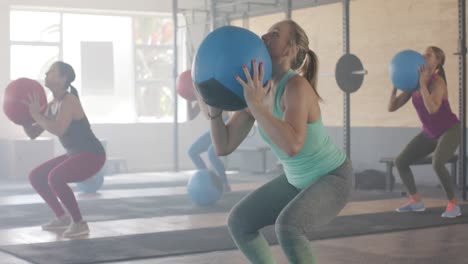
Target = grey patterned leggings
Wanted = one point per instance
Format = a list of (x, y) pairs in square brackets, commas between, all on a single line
[(293, 212), (421, 146)]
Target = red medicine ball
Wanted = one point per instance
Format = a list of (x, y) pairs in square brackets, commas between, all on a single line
[(185, 86), (15, 94)]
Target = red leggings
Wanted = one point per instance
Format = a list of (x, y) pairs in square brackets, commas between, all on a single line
[(50, 180)]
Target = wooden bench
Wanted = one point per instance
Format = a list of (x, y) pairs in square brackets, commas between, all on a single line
[(390, 163)]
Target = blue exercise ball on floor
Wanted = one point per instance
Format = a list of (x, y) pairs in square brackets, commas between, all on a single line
[(219, 58), (92, 184), (204, 188), (404, 69)]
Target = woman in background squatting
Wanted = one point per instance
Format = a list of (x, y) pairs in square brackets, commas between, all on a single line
[(203, 144), (85, 155), (440, 134)]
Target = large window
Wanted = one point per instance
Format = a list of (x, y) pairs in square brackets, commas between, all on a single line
[(154, 60), (123, 63), (35, 43)]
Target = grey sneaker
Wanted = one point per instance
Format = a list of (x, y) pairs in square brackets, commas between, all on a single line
[(411, 206), (452, 212), (57, 223), (76, 230)]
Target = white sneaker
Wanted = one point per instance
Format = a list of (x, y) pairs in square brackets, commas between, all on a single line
[(77, 229), (411, 206), (57, 223)]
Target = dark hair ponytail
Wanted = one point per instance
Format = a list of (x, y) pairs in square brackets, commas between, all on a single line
[(68, 71), (74, 91)]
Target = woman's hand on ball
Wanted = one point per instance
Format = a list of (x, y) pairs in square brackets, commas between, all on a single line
[(33, 104), (424, 75), (254, 91)]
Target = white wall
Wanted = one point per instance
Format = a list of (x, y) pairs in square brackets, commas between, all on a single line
[(150, 146)]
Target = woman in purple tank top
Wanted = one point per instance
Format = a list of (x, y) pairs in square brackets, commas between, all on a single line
[(440, 133), (85, 155)]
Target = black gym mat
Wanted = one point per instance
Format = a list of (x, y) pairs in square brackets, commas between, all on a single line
[(153, 245), (24, 215)]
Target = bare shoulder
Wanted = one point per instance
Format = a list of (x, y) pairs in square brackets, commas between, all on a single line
[(71, 100), (298, 81), (439, 86), (299, 86), (440, 82)]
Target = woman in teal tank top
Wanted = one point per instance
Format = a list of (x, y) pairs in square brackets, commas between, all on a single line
[(317, 180)]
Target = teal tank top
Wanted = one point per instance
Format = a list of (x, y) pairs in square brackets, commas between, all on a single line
[(319, 155)]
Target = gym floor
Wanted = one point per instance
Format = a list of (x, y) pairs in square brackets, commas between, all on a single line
[(127, 207)]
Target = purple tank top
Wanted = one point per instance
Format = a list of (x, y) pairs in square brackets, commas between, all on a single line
[(436, 124)]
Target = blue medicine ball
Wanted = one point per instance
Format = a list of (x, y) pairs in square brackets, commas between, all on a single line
[(219, 58), (204, 188), (404, 70), (92, 184)]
